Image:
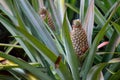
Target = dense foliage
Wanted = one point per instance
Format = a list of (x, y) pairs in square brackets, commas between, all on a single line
[(34, 46)]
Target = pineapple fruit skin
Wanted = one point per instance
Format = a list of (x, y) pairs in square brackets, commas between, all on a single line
[(46, 16), (79, 38)]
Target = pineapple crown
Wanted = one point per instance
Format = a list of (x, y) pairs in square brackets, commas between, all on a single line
[(76, 23)]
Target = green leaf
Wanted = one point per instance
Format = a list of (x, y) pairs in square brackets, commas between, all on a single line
[(111, 46), (94, 72), (70, 54), (100, 19), (101, 5), (90, 58), (102, 53), (18, 14), (89, 22), (82, 11), (11, 29), (57, 41), (18, 73), (35, 43), (35, 5), (115, 60), (11, 45), (27, 66), (4, 77), (10, 65), (8, 14), (60, 7), (14, 42), (55, 15), (45, 52), (113, 68), (115, 76), (70, 12), (117, 27), (37, 24), (72, 7)]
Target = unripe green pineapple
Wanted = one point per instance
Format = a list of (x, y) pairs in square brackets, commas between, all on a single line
[(45, 15), (79, 38)]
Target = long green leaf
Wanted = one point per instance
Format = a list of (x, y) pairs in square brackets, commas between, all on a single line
[(14, 42), (111, 46), (57, 40), (117, 27), (27, 66), (101, 5), (10, 27), (113, 68), (4, 77), (23, 24), (72, 7), (115, 76), (70, 12), (35, 5), (90, 58), (19, 15), (16, 46), (55, 15), (82, 7), (99, 19), (37, 24), (110, 10), (18, 73), (60, 8), (70, 54), (46, 53), (8, 14), (94, 72), (89, 22)]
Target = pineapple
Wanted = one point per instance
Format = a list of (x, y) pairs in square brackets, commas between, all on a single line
[(45, 15), (79, 38)]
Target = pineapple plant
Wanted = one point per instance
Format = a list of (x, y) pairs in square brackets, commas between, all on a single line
[(47, 58), (79, 38)]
